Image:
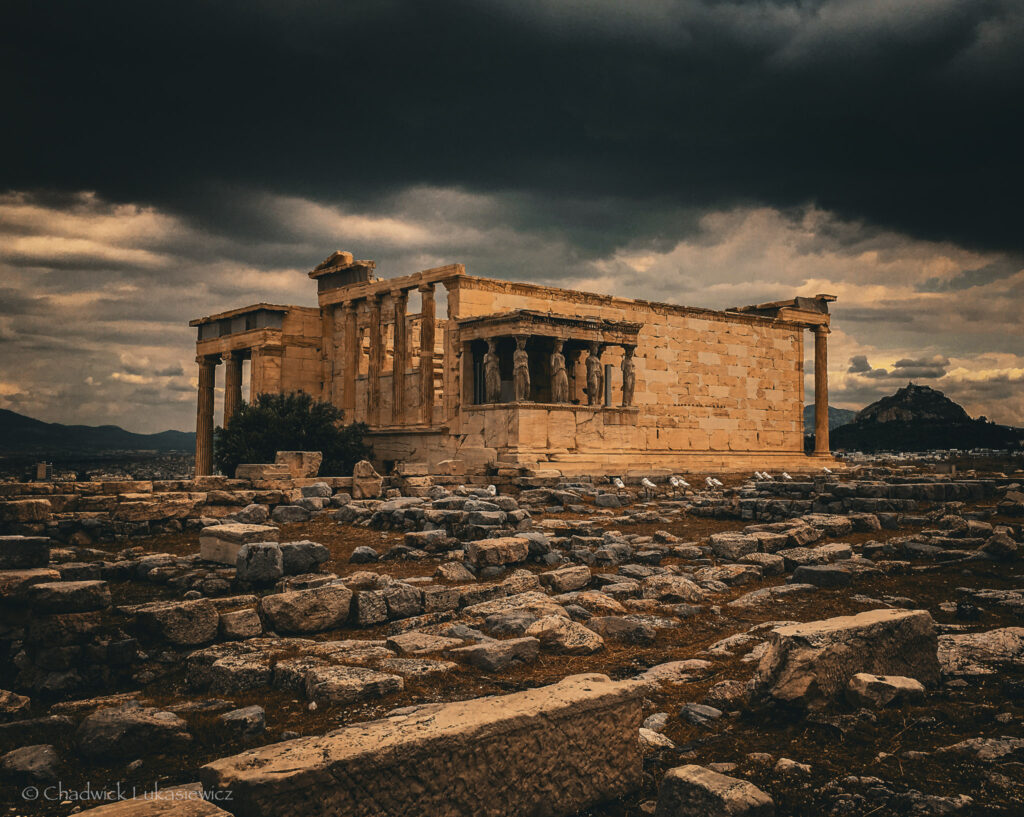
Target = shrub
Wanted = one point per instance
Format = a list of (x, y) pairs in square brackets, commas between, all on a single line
[(289, 422)]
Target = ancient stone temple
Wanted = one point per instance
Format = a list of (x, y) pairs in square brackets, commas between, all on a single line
[(516, 374)]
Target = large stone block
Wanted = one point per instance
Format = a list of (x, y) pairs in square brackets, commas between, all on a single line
[(504, 550), (307, 611), (14, 584), (300, 464), (694, 791), (812, 663), (182, 623), (221, 543), (552, 750)]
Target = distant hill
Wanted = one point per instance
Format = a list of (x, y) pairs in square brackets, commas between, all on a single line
[(920, 418), (20, 435), (836, 417)]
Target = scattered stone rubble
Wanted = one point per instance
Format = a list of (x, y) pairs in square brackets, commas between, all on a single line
[(499, 586)]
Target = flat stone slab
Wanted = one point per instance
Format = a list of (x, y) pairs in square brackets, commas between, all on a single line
[(69, 597), (221, 543), (344, 684), (552, 750), (179, 801)]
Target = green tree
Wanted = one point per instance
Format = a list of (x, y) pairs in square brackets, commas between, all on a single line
[(289, 422)]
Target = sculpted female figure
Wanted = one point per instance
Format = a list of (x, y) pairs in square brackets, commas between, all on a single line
[(628, 376), (492, 375), (559, 376), (594, 375), (521, 370)]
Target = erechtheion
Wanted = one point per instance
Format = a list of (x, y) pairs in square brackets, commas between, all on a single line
[(522, 375)]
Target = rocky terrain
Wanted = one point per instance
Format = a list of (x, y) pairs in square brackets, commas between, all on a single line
[(843, 644)]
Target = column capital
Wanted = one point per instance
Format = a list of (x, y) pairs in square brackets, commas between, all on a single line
[(427, 287), (208, 360)]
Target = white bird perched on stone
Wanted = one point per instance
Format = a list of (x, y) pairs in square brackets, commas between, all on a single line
[(767, 477), (683, 483), (757, 475), (718, 482), (492, 491), (709, 482), (618, 483), (650, 486), (674, 481), (827, 470), (787, 477)]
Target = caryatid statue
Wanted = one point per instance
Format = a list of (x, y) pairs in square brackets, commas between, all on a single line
[(521, 370), (492, 374), (559, 376), (628, 376), (595, 376)]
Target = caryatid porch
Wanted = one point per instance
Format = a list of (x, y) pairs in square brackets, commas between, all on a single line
[(526, 356)]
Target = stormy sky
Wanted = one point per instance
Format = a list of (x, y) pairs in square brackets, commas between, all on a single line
[(166, 161)]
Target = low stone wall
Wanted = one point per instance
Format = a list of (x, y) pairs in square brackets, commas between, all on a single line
[(552, 750)]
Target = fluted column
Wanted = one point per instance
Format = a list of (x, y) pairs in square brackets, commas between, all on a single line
[(427, 335), (821, 441), (232, 384), (353, 350), (204, 416), (400, 359), (327, 352), (375, 363)]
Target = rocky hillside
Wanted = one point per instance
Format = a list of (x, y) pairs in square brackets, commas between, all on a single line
[(920, 418)]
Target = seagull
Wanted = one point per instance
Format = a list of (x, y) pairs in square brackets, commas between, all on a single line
[(709, 482), (683, 483), (618, 483), (718, 482), (650, 486), (492, 491), (827, 470), (767, 477), (787, 477), (674, 481)]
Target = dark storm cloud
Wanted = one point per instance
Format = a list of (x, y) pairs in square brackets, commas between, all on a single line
[(859, 364), (906, 115)]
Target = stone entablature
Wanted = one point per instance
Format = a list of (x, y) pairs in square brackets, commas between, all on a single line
[(685, 380)]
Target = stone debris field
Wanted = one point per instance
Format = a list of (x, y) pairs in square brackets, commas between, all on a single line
[(828, 644)]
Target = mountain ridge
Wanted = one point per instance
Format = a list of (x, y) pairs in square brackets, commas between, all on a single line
[(22, 434)]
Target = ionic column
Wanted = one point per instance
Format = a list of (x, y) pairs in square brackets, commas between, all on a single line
[(821, 443), (427, 332), (204, 416), (375, 364), (350, 366), (232, 384), (400, 360)]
